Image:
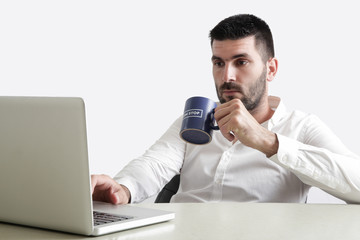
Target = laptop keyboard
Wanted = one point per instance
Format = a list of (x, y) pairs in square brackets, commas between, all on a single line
[(104, 218)]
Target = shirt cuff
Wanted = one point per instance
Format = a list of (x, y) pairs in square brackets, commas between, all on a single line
[(287, 152), (127, 183)]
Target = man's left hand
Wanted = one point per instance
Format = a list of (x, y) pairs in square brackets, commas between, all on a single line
[(236, 123)]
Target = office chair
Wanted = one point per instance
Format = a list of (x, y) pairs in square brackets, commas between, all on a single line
[(169, 190)]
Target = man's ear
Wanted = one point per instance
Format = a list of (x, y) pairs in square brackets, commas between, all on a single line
[(272, 67)]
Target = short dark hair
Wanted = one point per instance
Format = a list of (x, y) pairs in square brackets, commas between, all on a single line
[(245, 25)]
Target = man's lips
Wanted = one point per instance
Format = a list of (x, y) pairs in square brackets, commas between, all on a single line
[(230, 92)]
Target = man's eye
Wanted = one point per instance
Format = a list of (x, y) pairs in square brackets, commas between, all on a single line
[(218, 64), (241, 62)]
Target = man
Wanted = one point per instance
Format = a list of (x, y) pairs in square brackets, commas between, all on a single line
[(262, 153)]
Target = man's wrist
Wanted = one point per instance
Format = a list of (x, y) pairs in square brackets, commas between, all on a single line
[(271, 145), (127, 192)]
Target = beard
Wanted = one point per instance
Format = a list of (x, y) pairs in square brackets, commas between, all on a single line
[(251, 99)]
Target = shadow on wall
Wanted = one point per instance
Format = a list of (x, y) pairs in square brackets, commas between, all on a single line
[(317, 195)]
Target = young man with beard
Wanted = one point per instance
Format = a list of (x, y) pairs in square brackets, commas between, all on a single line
[(262, 153)]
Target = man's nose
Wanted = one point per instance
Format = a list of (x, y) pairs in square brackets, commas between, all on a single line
[(229, 73)]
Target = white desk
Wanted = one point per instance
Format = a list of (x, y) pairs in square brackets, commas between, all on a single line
[(230, 221)]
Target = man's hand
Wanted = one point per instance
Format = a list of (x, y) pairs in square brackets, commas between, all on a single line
[(236, 123), (106, 189)]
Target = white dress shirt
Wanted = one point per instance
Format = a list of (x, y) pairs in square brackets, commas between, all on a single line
[(309, 154)]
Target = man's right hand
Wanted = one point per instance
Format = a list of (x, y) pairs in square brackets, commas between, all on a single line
[(106, 189)]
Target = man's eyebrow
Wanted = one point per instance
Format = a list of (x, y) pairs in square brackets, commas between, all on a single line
[(241, 55), (215, 58)]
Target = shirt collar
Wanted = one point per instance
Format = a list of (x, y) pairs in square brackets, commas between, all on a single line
[(280, 111)]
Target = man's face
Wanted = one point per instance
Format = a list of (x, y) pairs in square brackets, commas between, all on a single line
[(239, 71)]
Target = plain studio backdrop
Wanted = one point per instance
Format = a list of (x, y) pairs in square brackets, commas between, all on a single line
[(136, 62)]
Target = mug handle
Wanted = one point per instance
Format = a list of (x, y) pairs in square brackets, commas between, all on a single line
[(212, 126)]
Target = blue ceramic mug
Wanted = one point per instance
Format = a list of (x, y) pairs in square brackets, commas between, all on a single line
[(198, 120)]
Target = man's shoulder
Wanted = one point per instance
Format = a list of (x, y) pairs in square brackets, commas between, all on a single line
[(299, 116)]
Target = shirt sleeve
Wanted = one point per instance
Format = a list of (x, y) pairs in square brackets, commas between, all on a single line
[(147, 174), (318, 158)]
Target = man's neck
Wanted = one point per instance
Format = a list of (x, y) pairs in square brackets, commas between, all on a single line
[(263, 111)]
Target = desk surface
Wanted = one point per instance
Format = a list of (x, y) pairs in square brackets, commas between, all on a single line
[(230, 221)]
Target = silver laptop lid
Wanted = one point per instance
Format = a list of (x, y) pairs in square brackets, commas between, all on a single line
[(44, 172)]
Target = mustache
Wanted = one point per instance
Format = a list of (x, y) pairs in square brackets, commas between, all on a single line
[(231, 86)]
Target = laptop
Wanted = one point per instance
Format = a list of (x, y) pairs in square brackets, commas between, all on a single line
[(44, 171)]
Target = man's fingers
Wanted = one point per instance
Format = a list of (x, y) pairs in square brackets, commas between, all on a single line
[(106, 189), (227, 134), (93, 183)]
